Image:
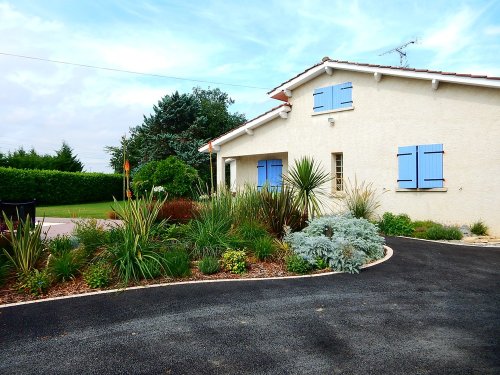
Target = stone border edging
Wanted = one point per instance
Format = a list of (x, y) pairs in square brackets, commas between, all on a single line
[(388, 254)]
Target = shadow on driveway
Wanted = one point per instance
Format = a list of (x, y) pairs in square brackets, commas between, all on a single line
[(431, 309)]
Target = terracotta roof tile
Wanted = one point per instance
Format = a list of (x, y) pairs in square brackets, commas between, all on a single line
[(388, 67)]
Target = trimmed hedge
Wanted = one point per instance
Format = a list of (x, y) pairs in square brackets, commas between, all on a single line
[(54, 187)]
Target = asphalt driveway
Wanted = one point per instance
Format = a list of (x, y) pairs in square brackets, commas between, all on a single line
[(430, 309)]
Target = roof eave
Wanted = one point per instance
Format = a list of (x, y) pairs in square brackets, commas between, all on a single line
[(247, 127)]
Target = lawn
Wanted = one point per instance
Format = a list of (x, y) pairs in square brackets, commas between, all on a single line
[(86, 210)]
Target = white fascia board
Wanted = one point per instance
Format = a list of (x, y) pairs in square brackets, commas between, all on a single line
[(320, 69), (248, 126)]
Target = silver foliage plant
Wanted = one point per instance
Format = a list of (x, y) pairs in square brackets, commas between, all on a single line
[(344, 242)]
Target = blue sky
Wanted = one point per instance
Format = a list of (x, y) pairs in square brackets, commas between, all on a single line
[(246, 43)]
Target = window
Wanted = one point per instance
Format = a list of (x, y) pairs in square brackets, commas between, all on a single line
[(420, 166), (337, 172), (269, 172), (333, 97)]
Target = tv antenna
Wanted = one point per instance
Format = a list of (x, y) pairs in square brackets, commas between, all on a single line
[(403, 59)]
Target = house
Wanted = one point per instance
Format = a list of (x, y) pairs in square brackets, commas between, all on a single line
[(429, 141)]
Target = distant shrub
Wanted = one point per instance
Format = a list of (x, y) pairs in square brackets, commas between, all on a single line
[(54, 187), (98, 275), (396, 225), (296, 264), (234, 261), (176, 262), (479, 228), (176, 177), (440, 232), (209, 265), (177, 211)]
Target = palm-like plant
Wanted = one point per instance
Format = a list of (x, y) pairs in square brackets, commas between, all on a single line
[(306, 178)]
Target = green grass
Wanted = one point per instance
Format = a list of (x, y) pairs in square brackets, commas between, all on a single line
[(87, 210)]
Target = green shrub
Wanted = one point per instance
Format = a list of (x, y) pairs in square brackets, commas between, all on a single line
[(98, 275), (26, 245), (65, 266), (479, 228), (396, 225), (440, 232), (176, 177), (34, 282), (263, 247), (60, 245), (54, 187), (90, 234), (209, 265), (177, 263), (421, 227), (296, 264), (249, 231), (234, 261)]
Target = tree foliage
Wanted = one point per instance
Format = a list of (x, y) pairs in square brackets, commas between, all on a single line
[(179, 125), (63, 160)]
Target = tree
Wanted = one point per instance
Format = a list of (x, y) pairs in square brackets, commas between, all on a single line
[(66, 161), (178, 126), (63, 160)]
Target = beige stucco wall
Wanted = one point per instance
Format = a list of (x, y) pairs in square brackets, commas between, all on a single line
[(387, 114)]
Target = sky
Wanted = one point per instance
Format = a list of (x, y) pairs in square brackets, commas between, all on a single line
[(245, 48)]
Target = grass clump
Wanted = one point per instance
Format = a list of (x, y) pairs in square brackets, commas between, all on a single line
[(177, 263), (209, 265), (441, 232), (65, 266), (360, 200), (263, 247), (479, 228)]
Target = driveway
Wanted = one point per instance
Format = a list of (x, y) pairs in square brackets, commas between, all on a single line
[(430, 309)]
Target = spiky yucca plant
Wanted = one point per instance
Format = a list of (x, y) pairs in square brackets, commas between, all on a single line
[(306, 178)]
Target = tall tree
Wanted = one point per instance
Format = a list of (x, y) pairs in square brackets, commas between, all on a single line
[(65, 160), (179, 125)]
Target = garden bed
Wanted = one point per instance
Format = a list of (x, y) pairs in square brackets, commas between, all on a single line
[(256, 269)]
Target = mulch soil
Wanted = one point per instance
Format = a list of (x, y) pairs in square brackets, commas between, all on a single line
[(256, 269)]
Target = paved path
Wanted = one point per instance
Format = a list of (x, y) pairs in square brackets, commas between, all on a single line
[(430, 309), (56, 226)]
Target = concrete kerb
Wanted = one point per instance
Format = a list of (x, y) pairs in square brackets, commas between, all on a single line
[(460, 243), (388, 254)]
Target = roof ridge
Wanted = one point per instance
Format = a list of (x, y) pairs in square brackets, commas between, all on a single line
[(417, 70)]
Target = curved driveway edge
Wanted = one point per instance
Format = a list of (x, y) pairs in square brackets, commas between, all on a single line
[(432, 309), (388, 254)]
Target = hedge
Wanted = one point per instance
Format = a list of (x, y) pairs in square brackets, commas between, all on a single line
[(54, 187)]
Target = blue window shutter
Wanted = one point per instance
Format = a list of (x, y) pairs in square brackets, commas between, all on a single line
[(345, 95), (274, 172), (336, 97), (430, 166), (322, 99), (261, 173), (407, 167)]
